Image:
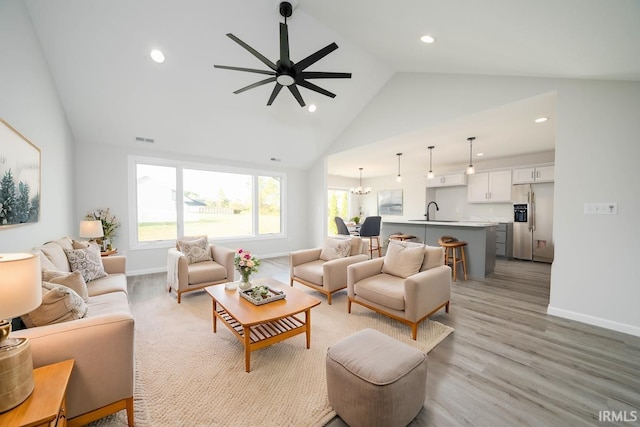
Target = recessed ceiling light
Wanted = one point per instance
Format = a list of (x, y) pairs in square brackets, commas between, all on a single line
[(157, 56), (427, 39), (275, 159), (541, 119), (480, 154), (312, 108)]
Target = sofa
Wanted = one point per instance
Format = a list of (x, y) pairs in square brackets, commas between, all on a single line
[(101, 342), (325, 269)]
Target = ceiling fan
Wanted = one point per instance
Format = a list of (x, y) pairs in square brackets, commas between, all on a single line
[(285, 72)]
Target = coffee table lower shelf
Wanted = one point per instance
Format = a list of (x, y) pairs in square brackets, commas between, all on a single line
[(264, 334), (265, 331)]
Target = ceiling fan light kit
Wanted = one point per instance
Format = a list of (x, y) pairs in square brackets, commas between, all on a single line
[(284, 72)]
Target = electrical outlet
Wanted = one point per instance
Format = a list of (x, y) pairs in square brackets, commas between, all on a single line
[(610, 208)]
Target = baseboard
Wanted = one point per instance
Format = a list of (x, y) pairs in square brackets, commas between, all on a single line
[(592, 320)]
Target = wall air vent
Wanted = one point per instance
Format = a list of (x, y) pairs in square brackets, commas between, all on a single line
[(141, 139)]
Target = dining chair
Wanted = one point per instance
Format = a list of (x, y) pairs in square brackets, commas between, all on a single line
[(342, 227)]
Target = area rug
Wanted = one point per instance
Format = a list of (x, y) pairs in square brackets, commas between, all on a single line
[(187, 375)]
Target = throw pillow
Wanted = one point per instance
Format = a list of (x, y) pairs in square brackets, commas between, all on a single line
[(59, 304), (335, 248), (403, 260), (87, 261), (72, 280), (196, 250)]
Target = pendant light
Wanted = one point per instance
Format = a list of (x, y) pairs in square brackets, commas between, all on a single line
[(430, 174), (470, 169), (359, 191), (399, 177)]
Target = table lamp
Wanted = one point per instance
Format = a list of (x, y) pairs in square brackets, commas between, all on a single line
[(91, 229), (20, 293)]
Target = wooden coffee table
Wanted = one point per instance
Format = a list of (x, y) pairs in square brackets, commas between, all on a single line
[(258, 326)]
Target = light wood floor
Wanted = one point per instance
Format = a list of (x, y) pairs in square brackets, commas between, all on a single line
[(508, 363)]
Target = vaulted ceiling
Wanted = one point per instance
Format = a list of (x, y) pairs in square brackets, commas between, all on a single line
[(112, 92)]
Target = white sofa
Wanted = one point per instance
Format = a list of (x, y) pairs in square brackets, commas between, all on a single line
[(101, 343)]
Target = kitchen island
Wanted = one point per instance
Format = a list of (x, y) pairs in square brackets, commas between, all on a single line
[(480, 237)]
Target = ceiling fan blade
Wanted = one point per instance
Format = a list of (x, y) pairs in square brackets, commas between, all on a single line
[(284, 46), (315, 57), (296, 93), (248, 70), (315, 88), (276, 91), (260, 83), (253, 52), (324, 75)]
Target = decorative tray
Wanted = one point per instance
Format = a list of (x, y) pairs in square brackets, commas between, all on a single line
[(272, 295)]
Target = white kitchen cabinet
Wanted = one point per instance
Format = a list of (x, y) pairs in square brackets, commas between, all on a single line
[(538, 174), (489, 187), (447, 180)]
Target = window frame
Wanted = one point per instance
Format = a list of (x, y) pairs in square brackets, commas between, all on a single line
[(180, 166)]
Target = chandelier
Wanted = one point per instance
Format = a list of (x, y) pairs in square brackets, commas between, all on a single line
[(359, 191)]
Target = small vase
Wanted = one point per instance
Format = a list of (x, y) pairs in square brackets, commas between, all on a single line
[(245, 283)]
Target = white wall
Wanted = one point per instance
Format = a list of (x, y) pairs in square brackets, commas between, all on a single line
[(597, 150), (103, 183), (29, 102)]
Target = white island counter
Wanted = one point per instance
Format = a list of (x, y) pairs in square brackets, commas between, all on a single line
[(480, 237)]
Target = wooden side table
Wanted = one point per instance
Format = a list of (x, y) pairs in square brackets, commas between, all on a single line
[(46, 407), (107, 253)]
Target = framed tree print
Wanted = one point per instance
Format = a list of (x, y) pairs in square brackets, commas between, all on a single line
[(19, 178)]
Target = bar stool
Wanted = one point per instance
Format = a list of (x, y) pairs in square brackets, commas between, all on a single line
[(451, 246), (401, 236)]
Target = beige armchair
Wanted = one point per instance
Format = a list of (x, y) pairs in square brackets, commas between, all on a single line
[(194, 264), (409, 284), (325, 269)]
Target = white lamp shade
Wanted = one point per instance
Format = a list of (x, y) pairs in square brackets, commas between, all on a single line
[(91, 229), (20, 284)]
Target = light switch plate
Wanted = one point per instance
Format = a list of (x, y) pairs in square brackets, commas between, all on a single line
[(610, 208)]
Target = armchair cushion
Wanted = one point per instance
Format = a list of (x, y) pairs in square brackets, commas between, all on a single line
[(206, 271), (403, 260), (196, 250), (311, 271), (384, 289), (335, 248), (433, 257)]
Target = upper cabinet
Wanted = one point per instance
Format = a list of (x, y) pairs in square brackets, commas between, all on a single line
[(539, 174), (447, 180), (491, 187)]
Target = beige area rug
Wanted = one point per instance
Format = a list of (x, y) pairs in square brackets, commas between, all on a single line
[(189, 376)]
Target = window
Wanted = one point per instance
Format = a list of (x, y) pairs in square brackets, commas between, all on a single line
[(156, 203), (174, 199), (338, 206)]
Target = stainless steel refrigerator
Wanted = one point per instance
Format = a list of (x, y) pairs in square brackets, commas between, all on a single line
[(533, 221)]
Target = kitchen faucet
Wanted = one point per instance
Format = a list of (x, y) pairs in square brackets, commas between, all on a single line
[(428, 206)]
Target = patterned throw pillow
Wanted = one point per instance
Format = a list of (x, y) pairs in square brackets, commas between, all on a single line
[(196, 250), (72, 280), (335, 248), (87, 261), (59, 304)]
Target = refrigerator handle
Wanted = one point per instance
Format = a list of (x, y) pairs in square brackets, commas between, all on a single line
[(533, 212)]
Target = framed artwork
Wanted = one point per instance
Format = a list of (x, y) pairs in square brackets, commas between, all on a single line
[(390, 202), (19, 178)]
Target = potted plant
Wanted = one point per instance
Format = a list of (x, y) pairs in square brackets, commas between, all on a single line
[(356, 220)]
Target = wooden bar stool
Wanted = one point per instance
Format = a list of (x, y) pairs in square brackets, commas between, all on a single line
[(401, 236), (451, 247)]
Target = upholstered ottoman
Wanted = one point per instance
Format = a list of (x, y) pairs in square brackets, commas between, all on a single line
[(375, 380)]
